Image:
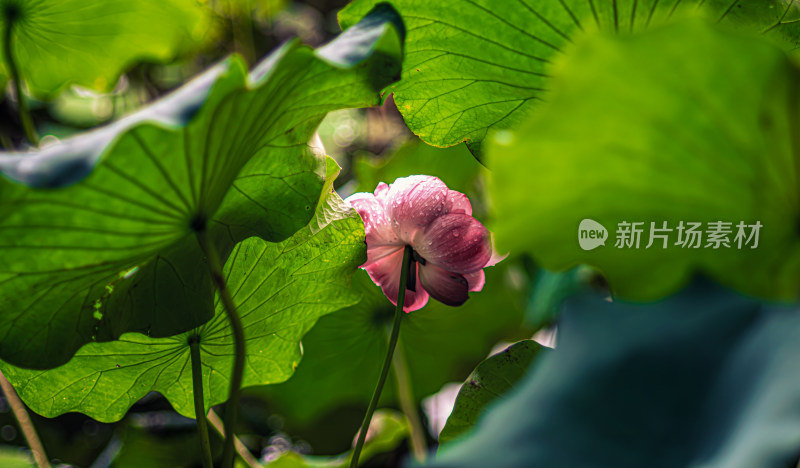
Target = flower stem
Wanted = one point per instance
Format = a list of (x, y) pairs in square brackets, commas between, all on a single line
[(241, 450), (376, 395), (199, 404), (419, 445), (22, 105), (238, 344), (25, 423)]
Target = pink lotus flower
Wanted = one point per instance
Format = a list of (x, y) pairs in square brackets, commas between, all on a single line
[(451, 248)]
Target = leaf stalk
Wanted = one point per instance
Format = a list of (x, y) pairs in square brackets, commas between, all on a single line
[(25, 423), (238, 344), (199, 402), (241, 449), (22, 104)]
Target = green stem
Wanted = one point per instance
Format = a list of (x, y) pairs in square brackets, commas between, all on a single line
[(22, 104), (376, 395), (25, 423), (238, 344), (419, 445), (199, 404), (242, 31), (241, 450)]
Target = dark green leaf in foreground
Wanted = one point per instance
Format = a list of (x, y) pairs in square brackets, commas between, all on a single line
[(386, 431), (493, 378), (343, 353), (474, 65), (57, 43), (704, 378), (693, 125), (116, 251), (280, 291)]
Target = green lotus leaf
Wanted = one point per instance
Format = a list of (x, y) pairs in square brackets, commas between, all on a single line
[(702, 378), (280, 290), (475, 65), (490, 381), (694, 125), (57, 43), (98, 233)]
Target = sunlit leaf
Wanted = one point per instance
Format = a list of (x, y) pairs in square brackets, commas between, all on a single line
[(490, 381), (280, 291), (705, 132), (475, 65), (57, 43), (102, 240)]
